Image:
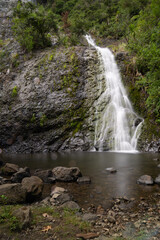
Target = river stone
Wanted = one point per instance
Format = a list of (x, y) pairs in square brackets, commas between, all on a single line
[(84, 179), (45, 175), (22, 173), (66, 174), (146, 180), (89, 217), (24, 216), (111, 170), (33, 186), (156, 159), (58, 190), (60, 198), (71, 205), (14, 193), (157, 180), (9, 169)]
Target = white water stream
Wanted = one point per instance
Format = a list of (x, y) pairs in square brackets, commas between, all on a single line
[(117, 126)]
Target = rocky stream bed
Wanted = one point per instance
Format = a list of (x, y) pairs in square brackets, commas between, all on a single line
[(27, 212)]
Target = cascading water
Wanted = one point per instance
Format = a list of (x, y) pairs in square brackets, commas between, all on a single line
[(117, 126)]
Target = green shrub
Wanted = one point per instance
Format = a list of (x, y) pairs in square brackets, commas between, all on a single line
[(31, 25)]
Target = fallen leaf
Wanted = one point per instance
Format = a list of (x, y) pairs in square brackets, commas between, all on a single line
[(87, 235), (46, 229), (46, 215)]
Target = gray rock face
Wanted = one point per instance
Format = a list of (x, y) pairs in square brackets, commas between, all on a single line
[(14, 193), (49, 103), (33, 186), (146, 180), (66, 174)]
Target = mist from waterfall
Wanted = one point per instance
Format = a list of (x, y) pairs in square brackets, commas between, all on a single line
[(117, 126)]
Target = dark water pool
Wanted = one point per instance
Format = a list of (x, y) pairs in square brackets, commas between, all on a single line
[(104, 186)]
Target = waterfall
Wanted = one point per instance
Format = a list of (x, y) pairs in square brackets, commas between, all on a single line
[(117, 126)]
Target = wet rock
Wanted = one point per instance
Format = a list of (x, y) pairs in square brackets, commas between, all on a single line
[(138, 121), (156, 159), (24, 216), (9, 169), (158, 165), (1, 162), (84, 179), (57, 190), (33, 186), (111, 170), (89, 217), (157, 180), (120, 56), (146, 180), (45, 175), (66, 174), (22, 173), (59, 196), (14, 193), (71, 205)]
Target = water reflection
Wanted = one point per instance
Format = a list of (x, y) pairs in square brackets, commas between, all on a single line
[(104, 186)]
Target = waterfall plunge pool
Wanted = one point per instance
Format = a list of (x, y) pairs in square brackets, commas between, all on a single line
[(104, 186)]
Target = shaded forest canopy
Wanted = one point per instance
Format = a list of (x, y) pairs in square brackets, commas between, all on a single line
[(137, 22)]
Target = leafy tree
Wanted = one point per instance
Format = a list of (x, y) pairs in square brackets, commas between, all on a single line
[(31, 25), (145, 43)]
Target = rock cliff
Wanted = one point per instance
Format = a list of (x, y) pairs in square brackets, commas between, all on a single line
[(48, 98)]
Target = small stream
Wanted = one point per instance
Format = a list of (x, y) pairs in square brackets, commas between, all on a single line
[(104, 186)]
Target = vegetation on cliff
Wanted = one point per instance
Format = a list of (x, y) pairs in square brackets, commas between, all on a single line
[(136, 22)]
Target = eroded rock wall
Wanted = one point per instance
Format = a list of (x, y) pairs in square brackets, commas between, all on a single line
[(47, 102)]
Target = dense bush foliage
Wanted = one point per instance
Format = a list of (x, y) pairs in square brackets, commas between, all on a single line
[(31, 25), (144, 41)]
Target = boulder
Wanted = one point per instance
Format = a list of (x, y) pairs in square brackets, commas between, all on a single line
[(22, 173), (9, 169), (24, 216), (45, 175), (157, 180), (84, 179), (146, 180), (66, 174), (14, 193), (33, 186)]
